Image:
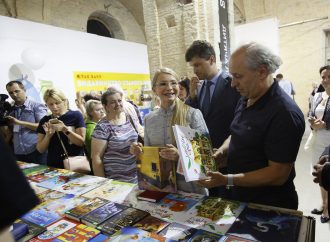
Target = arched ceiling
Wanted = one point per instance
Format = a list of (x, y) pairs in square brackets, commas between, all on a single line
[(136, 9)]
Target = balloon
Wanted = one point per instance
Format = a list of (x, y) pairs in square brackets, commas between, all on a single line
[(33, 58)]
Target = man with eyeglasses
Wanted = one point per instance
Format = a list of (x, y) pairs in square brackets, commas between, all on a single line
[(210, 91), (24, 119)]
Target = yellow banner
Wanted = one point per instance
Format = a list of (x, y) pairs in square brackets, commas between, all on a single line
[(100, 81)]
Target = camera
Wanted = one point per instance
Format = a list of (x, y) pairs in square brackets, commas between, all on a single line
[(5, 109)]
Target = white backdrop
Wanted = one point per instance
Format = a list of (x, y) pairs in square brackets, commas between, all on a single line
[(47, 54), (264, 32)]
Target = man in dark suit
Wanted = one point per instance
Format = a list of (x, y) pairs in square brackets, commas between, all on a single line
[(210, 91)]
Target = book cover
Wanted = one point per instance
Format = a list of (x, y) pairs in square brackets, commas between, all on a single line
[(34, 170), (266, 225), (202, 235), (174, 207), (131, 234), (33, 231), (56, 181), (78, 233), (231, 238), (102, 213), (114, 191), (81, 185), (154, 172), (215, 215), (99, 238), (36, 188), (23, 165), (49, 196), (178, 232), (46, 174), (195, 150), (152, 196), (54, 230), (151, 224), (81, 210), (41, 217), (125, 218)]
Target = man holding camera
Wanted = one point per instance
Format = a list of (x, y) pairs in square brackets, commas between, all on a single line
[(24, 119)]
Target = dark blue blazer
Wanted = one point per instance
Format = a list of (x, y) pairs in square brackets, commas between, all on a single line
[(221, 113)]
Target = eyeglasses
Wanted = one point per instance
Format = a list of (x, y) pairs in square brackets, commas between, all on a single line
[(165, 84)]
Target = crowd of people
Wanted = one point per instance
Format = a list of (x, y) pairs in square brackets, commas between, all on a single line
[(254, 124)]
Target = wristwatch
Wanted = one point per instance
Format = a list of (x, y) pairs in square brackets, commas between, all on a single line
[(230, 181)]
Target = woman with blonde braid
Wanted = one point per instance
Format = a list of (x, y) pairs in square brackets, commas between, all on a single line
[(158, 124)]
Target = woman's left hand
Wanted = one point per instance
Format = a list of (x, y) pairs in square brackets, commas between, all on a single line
[(169, 153), (60, 126)]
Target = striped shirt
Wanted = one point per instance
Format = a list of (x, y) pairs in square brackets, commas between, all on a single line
[(118, 163)]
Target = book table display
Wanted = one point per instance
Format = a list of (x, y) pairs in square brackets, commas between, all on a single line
[(77, 207)]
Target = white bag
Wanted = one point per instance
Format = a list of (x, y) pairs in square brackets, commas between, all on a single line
[(310, 141)]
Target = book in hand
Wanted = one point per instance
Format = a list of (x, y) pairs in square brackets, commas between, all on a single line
[(152, 196), (154, 172), (131, 234), (102, 213), (151, 224), (125, 218), (81, 210), (195, 150), (266, 225)]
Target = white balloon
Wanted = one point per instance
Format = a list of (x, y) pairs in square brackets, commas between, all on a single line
[(33, 58)]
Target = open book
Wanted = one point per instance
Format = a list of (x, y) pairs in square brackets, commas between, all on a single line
[(195, 152), (154, 172)]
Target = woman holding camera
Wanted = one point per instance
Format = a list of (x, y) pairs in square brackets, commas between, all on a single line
[(62, 127)]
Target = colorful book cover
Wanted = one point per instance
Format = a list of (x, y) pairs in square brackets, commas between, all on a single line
[(46, 174), (178, 232), (125, 218), (36, 188), (78, 233), (33, 230), (23, 165), (154, 172), (195, 149), (49, 196), (131, 234), (81, 185), (151, 224), (114, 191), (152, 196), (41, 217), (99, 238), (212, 214), (54, 230), (231, 238), (65, 203), (266, 225), (102, 213), (34, 170), (56, 181), (172, 206), (81, 210), (202, 235)]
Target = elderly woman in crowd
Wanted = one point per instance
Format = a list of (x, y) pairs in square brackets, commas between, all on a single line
[(69, 126), (95, 112), (319, 119), (112, 138), (158, 124)]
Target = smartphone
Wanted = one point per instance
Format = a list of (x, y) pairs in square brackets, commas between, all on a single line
[(54, 121)]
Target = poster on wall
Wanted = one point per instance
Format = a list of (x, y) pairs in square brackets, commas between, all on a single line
[(44, 56)]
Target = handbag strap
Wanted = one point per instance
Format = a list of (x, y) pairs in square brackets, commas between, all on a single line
[(133, 124), (63, 146)]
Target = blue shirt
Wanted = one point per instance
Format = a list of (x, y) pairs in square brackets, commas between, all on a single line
[(25, 139), (270, 129), (212, 87)]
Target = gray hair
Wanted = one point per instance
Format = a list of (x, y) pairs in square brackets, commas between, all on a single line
[(166, 71), (257, 54), (111, 91)]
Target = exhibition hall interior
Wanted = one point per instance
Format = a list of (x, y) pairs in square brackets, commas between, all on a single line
[(164, 120)]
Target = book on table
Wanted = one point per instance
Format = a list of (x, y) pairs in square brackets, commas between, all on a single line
[(154, 172), (195, 150), (152, 196)]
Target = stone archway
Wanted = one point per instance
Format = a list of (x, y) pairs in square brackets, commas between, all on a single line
[(104, 24)]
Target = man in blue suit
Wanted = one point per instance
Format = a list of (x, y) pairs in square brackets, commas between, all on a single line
[(210, 91)]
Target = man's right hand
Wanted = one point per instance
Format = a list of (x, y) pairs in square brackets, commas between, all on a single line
[(193, 86)]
